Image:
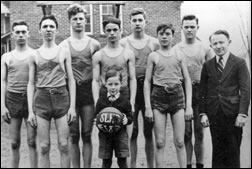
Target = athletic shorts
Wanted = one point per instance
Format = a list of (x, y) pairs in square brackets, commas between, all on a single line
[(17, 105), (168, 100), (84, 94), (51, 102)]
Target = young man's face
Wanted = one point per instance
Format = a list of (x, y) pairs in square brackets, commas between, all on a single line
[(48, 30), (113, 85), (78, 22), (112, 32), (220, 44), (165, 37), (20, 34), (138, 23), (190, 28)]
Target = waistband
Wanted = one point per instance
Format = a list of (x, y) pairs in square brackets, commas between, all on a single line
[(170, 87), (52, 90), (24, 94)]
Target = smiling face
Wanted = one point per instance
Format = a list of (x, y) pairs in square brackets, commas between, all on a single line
[(78, 22), (165, 37), (190, 28), (112, 32), (113, 85), (20, 34), (48, 30), (220, 44)]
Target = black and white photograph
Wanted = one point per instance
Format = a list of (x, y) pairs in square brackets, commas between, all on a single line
[(125, 84)]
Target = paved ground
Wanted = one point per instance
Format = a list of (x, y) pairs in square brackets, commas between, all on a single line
[(170, 153)]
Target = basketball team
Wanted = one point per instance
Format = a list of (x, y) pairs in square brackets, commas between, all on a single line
[(77, 80)]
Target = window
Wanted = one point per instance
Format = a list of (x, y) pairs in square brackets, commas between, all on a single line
[(107, 10), (89, 19)]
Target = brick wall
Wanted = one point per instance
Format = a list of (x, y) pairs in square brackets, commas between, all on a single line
[(157, 11)]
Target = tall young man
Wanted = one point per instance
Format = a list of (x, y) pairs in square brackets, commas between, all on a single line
[(49, 69), (142, 45), (114, 56), (168, 69), (195, 54), (82, 48), (14, 80)]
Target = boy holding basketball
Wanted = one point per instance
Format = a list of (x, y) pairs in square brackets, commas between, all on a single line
[(113, 140)]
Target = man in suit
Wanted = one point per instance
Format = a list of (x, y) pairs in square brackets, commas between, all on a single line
[(225, 98)]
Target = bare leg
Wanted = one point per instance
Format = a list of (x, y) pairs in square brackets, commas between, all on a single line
[(87, 117), (178, 122), (14, 131), (188, 141), (133, 130), (199, 147), (74, 148), (63, 131), (149, 143), (31, 140), (43, 130), (160, 137)]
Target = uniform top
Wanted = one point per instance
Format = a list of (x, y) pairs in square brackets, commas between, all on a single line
[(195, 56), (18, 73), (168, 69), (119, 63), (49, 72), (141, 57)]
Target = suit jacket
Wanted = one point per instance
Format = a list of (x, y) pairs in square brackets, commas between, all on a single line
[(231, 91)]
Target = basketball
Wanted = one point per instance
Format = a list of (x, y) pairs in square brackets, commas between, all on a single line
[(109, 120)]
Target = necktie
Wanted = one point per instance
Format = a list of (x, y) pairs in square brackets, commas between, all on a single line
[(111, 98), (220, 64)]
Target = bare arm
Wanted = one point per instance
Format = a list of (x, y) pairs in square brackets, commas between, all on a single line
[(71, 86), (96, 77), (4, 111), (188, 90), (132, 79), (147, 86), (31, 90)]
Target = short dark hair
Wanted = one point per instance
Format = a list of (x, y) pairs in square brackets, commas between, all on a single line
[(220, 32), (163, 27), (111, 19), (136, 11), (74, 9), (113, 73), (51, 17), (190, 17), (19, 22)]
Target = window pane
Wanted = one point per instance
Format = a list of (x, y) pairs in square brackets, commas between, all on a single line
[(110, 9)]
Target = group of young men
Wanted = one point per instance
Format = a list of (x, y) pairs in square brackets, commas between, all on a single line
[(65, 82)]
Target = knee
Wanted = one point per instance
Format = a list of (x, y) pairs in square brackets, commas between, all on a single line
[(45, 148), (32, 143), (160, 143), (188, 135), (15, 144), (148, 134), (74, 139), (86, 137), (63, 147), (179, 143)]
